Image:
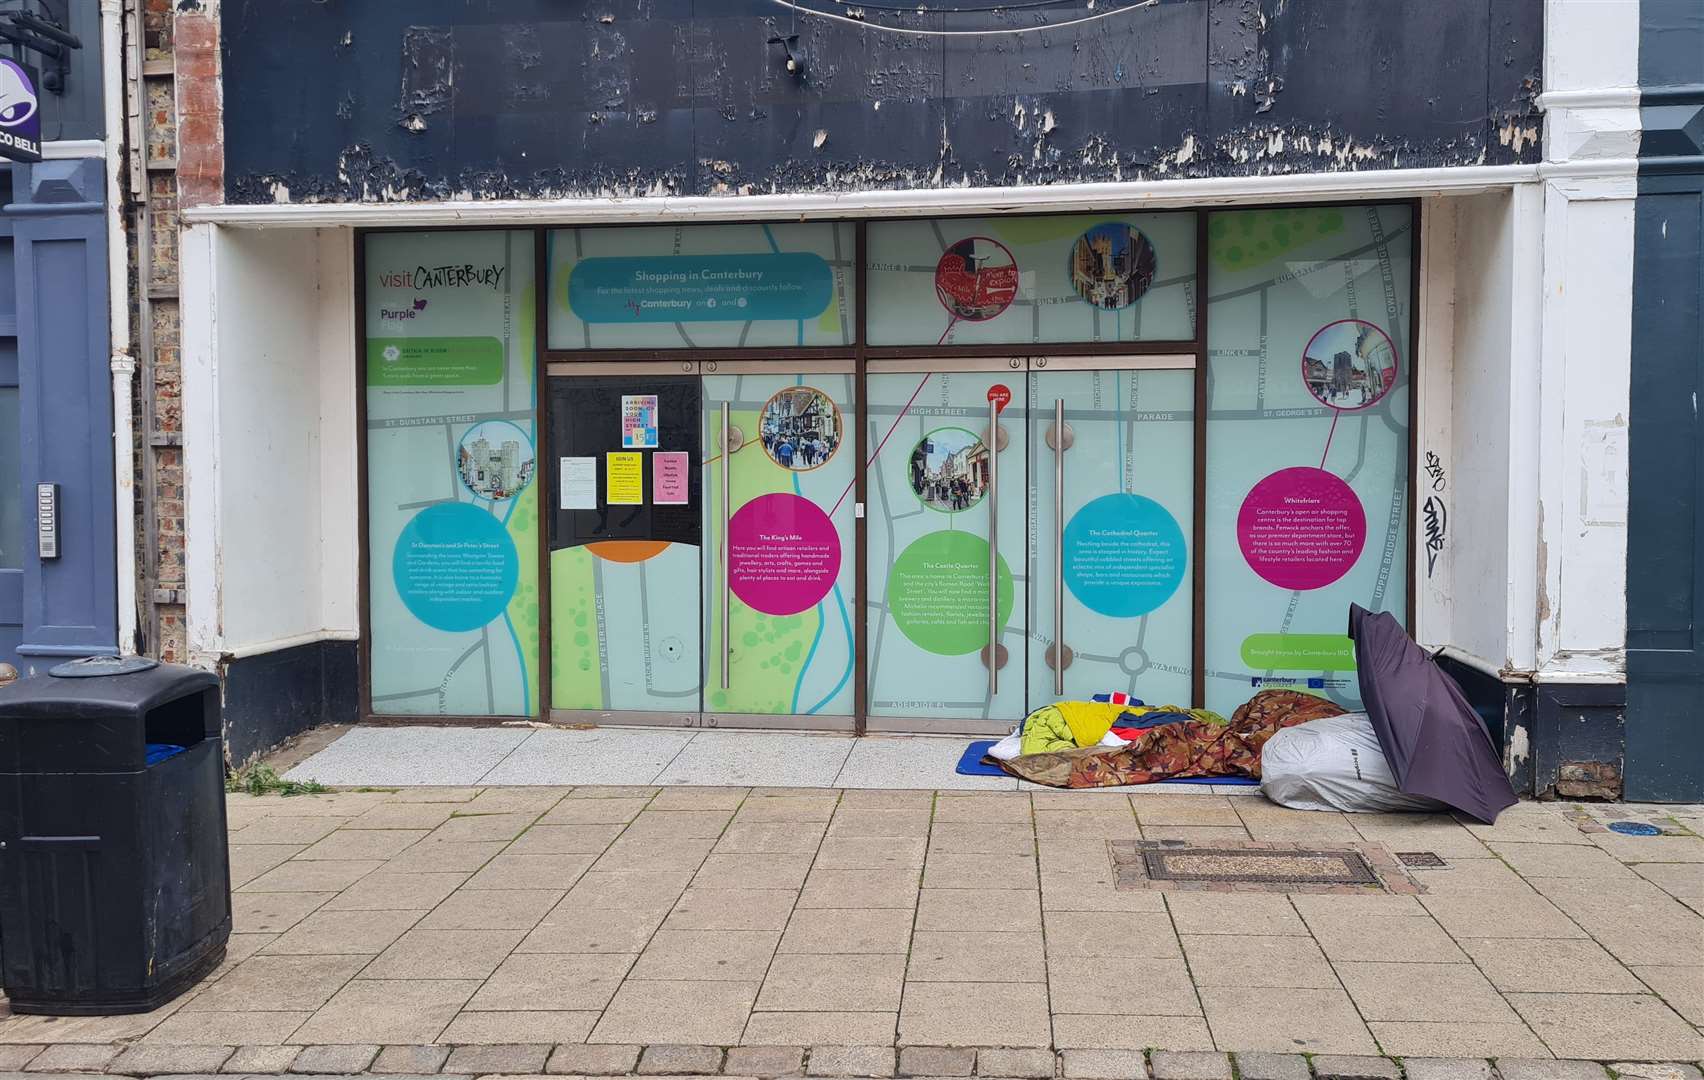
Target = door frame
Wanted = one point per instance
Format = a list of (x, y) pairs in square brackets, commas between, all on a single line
[(701, 717), (1174, 358)]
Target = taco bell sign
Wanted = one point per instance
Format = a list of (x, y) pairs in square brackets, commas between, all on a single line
[(20, 112)]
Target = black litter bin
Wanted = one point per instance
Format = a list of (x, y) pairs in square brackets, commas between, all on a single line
[(115, 883)]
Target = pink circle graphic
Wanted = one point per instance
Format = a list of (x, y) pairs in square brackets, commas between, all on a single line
[(1349, 365), (783, 554), (1301, 528)]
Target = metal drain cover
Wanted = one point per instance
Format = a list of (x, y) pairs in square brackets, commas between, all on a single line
[(1320, 867), (1420, 858)]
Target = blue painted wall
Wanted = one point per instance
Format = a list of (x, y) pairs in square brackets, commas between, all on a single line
[(53, 241), (1665, 527)]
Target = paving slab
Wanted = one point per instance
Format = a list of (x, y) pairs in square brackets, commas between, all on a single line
[(154, 1060), (708, 1013), (14, 1058), (1654, 1070), (372, 756), (337, 1060), (1529, 1068), (1605, 1026), (588, 1060), (410, 1060), (804, 982), (73, 1057), (924, 761), (750, 757), (1095, 1064), (937, 1061), (765, 1061), (821, 1028), (1355, 1067), (975, 1014), (1189, 1065), (269, 1060), (1016, 1064), (530, 1026), (510, 1058), (1255, 1065), (850, 1061), (1314, 1021), (1447, 1068), (1123, 1031)]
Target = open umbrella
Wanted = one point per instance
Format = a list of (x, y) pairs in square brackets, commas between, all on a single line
[(1436, 744)]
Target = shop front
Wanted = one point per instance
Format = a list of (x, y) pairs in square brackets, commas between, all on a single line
[(909, 474)]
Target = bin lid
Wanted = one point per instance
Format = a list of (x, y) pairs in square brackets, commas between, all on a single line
[(126, 695), (93, 667)]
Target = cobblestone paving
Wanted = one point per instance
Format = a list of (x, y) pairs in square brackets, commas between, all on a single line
[(769, 932)]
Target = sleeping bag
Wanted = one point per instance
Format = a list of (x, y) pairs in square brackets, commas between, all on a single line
[(1333, 764)]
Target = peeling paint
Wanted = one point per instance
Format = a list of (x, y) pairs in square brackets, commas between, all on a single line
[(636, 99)]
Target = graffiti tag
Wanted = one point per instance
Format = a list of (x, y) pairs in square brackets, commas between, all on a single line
[(1435, 470), (1435, 522)]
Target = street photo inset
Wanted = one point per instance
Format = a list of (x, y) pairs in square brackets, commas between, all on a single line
[(1349, 364), (976, 279), (800, 428), (949, 469), (1112, 265), (495, 460)]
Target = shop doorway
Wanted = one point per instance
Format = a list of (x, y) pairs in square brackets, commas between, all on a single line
[(1030, 536), (701, 565)]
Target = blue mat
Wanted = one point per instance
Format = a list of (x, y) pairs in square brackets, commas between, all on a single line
[(971, 764)]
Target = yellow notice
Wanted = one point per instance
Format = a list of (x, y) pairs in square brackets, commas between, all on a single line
[(624, 478)]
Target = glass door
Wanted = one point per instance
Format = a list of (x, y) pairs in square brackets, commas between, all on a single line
[(1112, 446), (947, 589), (778, 565), (624, 540)]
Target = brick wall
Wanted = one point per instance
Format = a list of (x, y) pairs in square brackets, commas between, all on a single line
[(182, 149)]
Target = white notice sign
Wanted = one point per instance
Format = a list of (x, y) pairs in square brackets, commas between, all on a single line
[(579, 483)]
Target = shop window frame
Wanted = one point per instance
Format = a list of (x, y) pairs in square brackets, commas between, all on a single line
[(860, 353)]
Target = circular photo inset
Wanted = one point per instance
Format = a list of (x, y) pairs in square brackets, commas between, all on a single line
[(800, 428), (1112, 265), (949, 469), (1349, 364), (495, 459), (976, 279)]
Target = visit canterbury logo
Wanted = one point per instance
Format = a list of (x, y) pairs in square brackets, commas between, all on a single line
[(462, 276)]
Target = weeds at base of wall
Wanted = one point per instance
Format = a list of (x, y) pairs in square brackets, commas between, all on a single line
[(264, 780)]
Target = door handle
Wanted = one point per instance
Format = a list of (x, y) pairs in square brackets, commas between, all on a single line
[(1059, 547), (993, 549), (727, 541)]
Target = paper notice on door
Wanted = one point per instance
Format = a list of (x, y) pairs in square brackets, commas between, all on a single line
[(668, 478), (638, 421), (624, 478), (579, 484)]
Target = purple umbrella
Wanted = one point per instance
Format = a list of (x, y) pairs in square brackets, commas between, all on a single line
[(1436, 744)]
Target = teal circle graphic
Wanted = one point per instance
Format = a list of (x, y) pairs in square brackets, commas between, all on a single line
[(1124, 555), (455, 567)]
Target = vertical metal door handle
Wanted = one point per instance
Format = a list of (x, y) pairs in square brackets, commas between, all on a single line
[(727, 503), (1059, 547), (993, 549)]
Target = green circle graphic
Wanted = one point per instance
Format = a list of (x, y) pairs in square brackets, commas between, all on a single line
[(937, 591)]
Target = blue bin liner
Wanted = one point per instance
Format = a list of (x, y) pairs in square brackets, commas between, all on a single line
[(158, 752)]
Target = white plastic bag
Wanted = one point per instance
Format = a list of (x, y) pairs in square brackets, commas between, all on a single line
[(1333, 764), (1009, 747)]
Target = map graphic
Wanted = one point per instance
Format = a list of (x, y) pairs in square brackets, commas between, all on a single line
[(453, 524), (1278, 278)]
